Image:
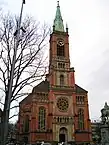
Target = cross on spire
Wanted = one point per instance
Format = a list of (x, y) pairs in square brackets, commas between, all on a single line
[(58, 3)]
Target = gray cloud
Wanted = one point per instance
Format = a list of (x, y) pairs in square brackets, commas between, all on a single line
[(99, 86), (88, 22)]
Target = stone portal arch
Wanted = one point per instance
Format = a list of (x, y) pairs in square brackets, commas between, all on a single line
[(63, 134)]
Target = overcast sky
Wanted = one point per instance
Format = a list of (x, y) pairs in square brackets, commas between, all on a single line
[(88, 22)]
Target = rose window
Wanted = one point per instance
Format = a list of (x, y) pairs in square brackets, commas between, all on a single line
[(62, 104)]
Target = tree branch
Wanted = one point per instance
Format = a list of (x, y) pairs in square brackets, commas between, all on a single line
[(13, 116), (29, 63)]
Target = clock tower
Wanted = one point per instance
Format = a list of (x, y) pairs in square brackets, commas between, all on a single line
[(59, 54)]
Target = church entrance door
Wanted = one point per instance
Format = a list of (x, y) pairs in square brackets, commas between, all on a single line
[(63, 134), (62, 138)]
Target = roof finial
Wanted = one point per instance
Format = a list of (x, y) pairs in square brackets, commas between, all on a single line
[(57, 3), (66, 27)]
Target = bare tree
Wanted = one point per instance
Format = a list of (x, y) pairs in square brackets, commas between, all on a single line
[(30, 59)]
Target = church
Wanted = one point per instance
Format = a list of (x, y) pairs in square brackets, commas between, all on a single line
[(57, 109)]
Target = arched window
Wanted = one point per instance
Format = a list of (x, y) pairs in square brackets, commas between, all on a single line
[(42, 118), (26, 124), (81, 119), (60, 50), (61, 80)]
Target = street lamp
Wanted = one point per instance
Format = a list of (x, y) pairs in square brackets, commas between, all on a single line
[(10, 84)]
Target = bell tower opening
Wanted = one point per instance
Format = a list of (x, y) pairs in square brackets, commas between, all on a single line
[(60, 50), (63, 134)]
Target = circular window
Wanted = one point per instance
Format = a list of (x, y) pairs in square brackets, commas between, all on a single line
[(62, 104)]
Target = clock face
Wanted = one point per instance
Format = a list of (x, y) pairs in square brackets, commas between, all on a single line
[(62, 104), (60, 42)]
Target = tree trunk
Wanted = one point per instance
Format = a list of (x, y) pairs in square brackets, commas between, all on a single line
[(5, 120)]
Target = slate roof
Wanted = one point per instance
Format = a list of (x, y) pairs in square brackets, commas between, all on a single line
[(27, 99), (41, 87), (79, 89), (44, 87)]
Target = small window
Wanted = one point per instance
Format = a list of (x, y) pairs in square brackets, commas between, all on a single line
[(61, 65), (80, 100)]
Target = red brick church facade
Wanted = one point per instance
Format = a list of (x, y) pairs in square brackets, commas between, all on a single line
[(57, 108)]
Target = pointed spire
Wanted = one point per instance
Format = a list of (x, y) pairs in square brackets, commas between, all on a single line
[(58, 22)]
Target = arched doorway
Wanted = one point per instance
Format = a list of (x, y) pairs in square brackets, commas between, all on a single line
[(63, 134)]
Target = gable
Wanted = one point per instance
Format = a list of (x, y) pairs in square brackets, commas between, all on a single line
[(27, 99), (44, 87), (41, 87)]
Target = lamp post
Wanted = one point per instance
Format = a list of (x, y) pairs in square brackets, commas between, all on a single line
[(10, 83)]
